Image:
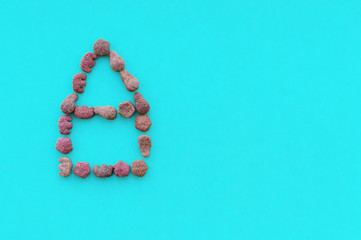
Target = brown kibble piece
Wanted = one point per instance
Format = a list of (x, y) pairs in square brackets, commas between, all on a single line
[(139, 168), (142, 123), (101, 47), (107, 112), (144, 145), (126, 109), (65, 166), (84, 112), (116, 62), (103, 171), (130, 82), (68, 105), (141, 104)]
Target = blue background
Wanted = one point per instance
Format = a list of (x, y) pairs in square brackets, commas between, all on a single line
[(255, 108)]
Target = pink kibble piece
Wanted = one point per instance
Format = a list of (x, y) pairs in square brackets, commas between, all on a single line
[(82, 169), (65, 124), (121, 169), (83, 112), (79, 82), (87, 62), (64, 145)]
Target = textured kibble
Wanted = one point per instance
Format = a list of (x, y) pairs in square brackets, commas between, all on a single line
[(126, 109), (141, 104), (139, 168), (64, 145), (101, 47), (142, 123), (103, 171), (84, 112), (79, 82), (130, 82), (107, 112), (116, 62), (64, 124), (144, 145), (82, 169), (121, 169), (65, 166), (87, 62), (68, 105)]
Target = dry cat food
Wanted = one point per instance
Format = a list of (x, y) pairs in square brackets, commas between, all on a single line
[(142, 123), (107, 112), (68, 105), (83, 112), (64, 124), (116, 62), (130, 82), (144, 145), (79, 82), (126, 109), (101, 47), (141, 105), (103, 171), (82, 169), (139, 168), (65, 166), (87, 62), (64, 145), (121, 169)]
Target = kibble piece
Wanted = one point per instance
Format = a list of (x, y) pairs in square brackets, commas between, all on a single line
[(82, 169), (65, 166), (126, 109), (87, 62), (84, 112), (130, 82), (68, 105), (116, 62), (103, 171), (142, 123), (144, 145), (79, 82), (121, 169), (141, 104), (64, 145), (101, 47), (64, 124), (107, 112), (139, 168)]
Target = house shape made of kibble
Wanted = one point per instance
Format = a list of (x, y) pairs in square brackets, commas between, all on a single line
[(126, 109)]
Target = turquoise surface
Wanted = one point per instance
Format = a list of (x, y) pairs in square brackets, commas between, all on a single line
[(256, 120)]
